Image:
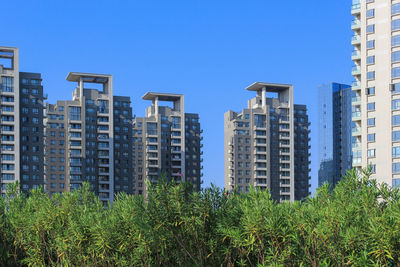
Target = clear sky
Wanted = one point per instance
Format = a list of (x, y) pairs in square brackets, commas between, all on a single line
[(209, 50)]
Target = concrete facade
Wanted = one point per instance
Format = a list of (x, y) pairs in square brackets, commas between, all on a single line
[(266, 145), (83, 131), (166, 142), (21, 123)]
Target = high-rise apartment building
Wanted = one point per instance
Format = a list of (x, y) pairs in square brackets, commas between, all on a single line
[(335, 131), (376, 71), (266, 145), (21, 123), (88, 139), (166, 141)]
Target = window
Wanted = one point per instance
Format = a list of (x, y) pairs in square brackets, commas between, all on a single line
[(396, 152), (396, 72), (371, 137), (396, 40), (370, 13), (371, 28), (396, 104), (370, 44), (395, 9), (396, 56), (75, 113), (7, 176), (396, 167), (7, 84), (371, 75), (371, 122), (395, 24), (371, 153), (396, 136), (371, 106), (371, 91), (371, 60), (396, 120)]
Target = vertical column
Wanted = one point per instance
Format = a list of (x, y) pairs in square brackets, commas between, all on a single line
[(264, 97), (156, 106)]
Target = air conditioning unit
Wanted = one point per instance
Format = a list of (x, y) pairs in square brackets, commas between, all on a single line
[(391, 87)]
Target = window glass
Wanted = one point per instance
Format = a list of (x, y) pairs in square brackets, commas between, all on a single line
[(371, 137), (395, 9), (396, 40), (370, 75), (371, 60), (395, 24), (370, 44), (396, 72), (371, 122), (396, 56), (396, 104), (396, 120)]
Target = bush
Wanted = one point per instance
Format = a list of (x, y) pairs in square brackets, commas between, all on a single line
[(356, 223)]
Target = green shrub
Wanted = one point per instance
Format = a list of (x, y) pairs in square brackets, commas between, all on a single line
[(356, 223)]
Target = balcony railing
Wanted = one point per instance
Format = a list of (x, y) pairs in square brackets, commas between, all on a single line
[(356, 114)]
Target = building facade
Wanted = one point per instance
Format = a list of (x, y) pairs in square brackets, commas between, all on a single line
[(376, 71), (335, 132), (166, 142), (88, 139), (21, 123), (267, 144)]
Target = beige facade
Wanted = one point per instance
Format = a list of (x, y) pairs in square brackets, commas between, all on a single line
[(266, 145), (376, 71), (10, 113)]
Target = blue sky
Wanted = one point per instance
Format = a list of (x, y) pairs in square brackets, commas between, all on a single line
[(208, 50)]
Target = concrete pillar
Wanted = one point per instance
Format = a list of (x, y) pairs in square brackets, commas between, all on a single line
[(264, 97), (80, 88), (156, 105)]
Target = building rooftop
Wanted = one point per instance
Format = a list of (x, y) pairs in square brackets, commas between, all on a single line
[(162, 96), (88, 77), (271, 87)]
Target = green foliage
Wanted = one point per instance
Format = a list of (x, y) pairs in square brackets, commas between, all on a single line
[(356, 223)]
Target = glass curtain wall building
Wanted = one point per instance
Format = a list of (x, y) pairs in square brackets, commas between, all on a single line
[(335, 132)]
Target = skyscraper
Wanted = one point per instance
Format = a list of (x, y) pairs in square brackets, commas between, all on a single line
[(166, 141), (335, 132), (21, 123), (266, 145), (88, 139), (376, 71)]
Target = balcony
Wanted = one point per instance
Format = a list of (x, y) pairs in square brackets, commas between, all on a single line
[(356, 100), (356, 162), (356, 70), (356, 131), (356, 146), (356, 40), (356, 116), (355, 9), (356, 85), (356, 55), (356, 24)]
